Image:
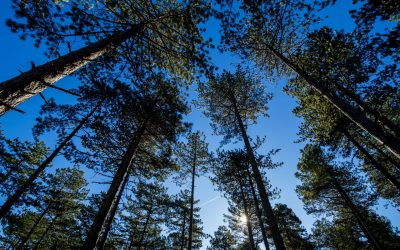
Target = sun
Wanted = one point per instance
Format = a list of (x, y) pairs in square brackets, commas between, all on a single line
[(243, 218)]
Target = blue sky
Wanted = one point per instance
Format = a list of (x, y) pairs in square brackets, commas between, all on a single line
[(280, 129)]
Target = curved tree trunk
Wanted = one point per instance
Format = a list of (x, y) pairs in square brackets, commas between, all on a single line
[(372, 160), (110, 218), (354, 210), (5, 208), (355, 114), (258, 210), (93, 234), (276, 234)]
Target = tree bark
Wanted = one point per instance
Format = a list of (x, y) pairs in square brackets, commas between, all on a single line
[(372, 160), (111, 216), (192, 199), (361, 221), (355, 114), (247, 214), (93, 234), (258, 210), (276, 234), (26, 238), (5, 208), (18, 89)]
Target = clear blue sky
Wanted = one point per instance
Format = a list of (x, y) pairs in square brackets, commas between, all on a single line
[(280, 129)]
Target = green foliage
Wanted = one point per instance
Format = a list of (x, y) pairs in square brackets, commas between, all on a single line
[(220, 95), (325, 184), (223, 239), (170, 39), (192, 154), (54, 218), (294, 234)]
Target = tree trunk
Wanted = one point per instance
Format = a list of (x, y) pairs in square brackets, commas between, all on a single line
[(387, 157), (192, 199), (372, 160), (276, 234), (26, 238), (20, 88), (384, 120), (247, 214), (258, 210), (93, 234), (146, 223), (355, 114), (111, 216), (361, 221), (183, 230), (395, 162), (45, 232), (5, 208)]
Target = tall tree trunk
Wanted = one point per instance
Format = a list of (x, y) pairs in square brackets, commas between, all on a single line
[(395, 163), (110, 218), (192, 199), (372, 160), (93, 234), (183, 230), (27, 237), (383, 119), (146, 224), (28, 84), (247, 214), (5, 208), (276, 234), (355, 114), (354, 210), (258, 210), (45, 233), (390, 158)]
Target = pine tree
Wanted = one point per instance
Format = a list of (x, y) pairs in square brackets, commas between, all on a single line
[(332, 190), (155, 121), (233, 101), (52, 221), (178, 223), (294, 234), (140, 34), (271, 44), (223, 239), (193, 156)]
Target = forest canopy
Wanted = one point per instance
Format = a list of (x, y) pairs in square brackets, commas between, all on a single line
[(200, 124)]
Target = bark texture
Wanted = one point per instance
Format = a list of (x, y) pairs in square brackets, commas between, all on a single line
[(20, 88), (93, 234)]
